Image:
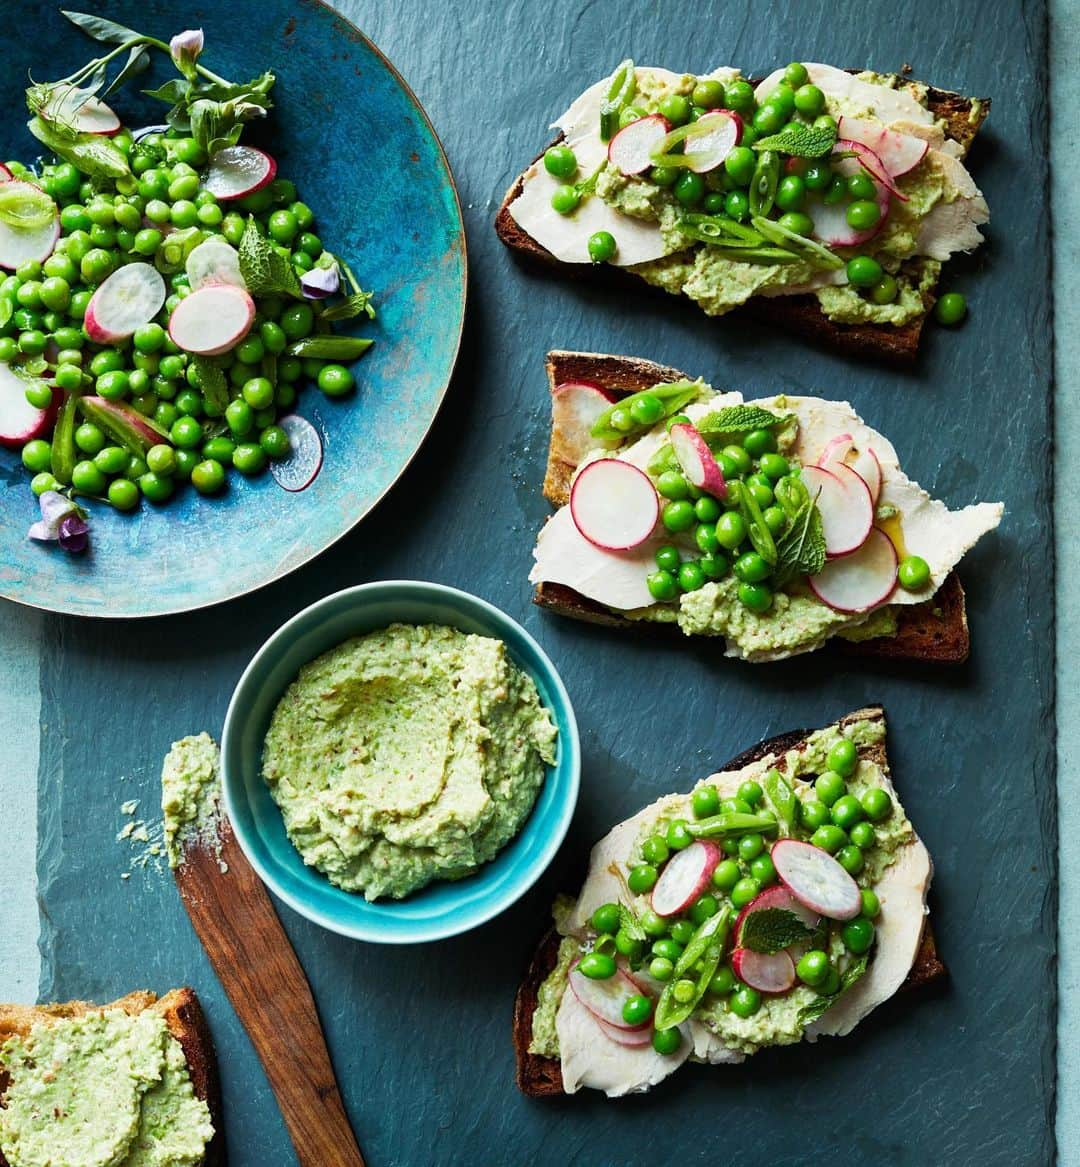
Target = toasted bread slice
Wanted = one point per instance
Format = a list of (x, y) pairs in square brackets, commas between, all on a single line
[(961, 117), (934, 631), (182, 1014), (541, 1077)]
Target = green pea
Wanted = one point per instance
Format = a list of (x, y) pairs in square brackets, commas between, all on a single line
[(836, 191), (44, 481), (763, 870), (755, 596), (863, 214), (249, 458), (684, 991), (705, 801), (863, 271), (861, 186), (275, 442), (664, 175), (750, 567), (775, 519), (809, 100), (678, 516), (111, 459), (847, 811), (734, 806), (761, 489), (145, 403), (863, 835), (662, 585), (723, 981), (232, 227), (877, 803), (913, 573), (165, 413), (37, 456), (597, 966), (813, 967), (667, 1041), (824, 122), (190, 402), (851, 859), (297, 321), (737, 205), (951, 309), (791, 193), (814, 814), (739, 96), (707, 509), (871, 905), (678, 838), (708, 94), (797, 223), (636, 1010), (628, 114), (668, 558), (32, 342), (795, 75), (258, 392), (705, 537), (689, 188), (744, 891), (136, 467), (89, 438), (770, 117), (627, 946), (691, 576), (676, 108), (730, 530), (673, 485), (750, 847), (87, 478), (606, 918), (653, 925), (745, 1001), (186, 432), (642, 878), (39, 394), (682, 931), (647, 410), (208, 476), (843, 758), (830, 986), (668, 948), (97, 264), (602, 246), (829, 838), (830, 786), (75, 218), (565, 199), (9, 348), (655, 850), (885, 290), (113, 386), (661, 969), (703, 908), (220, 449), (858, 935), (123, 494)]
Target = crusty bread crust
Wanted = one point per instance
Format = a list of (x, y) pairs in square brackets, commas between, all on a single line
[(934, 631), (962, 118), (184, 1017), (541, 1077)]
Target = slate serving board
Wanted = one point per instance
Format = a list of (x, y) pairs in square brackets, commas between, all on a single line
[(961, 1075)]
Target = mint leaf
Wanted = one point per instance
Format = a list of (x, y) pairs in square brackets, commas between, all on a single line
[(771, 929), (822, 1005), (630, 924), (738, 419), (800, 141), (359, 304), (212, 382), (265, 272), (801, 549)]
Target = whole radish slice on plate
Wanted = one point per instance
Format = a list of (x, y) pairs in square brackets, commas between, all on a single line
[(212, 320), (20, 422), (843, 500), (836, 450), (299, 470), (605, 998), (696, 459), (575, 408), (767, 972), (685, 877), (858, 582), (712, 139), (29, 224), (236, 171), (630, 150), (214, 261), (815, 878), (82, 111), (899, 153), (628, 1037), (131, 297), (613, 504)]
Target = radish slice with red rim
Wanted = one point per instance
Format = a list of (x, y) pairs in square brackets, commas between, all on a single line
[(23, 243), (605, 998), (696, 459), (20, 422), (843, 501), (836, 450), (5, 174), (712, 140), (868, 468), (899, 153), (631, 1038), (298, 471), (859, 582), (830, 221), (236, 171), (212, 320), (81, 110), (779, 899), (575, 407), (630, 150), (872, 164), (131, 297), (817, 879), (767, 972), (614, 504), (685, 876), (214, 261)]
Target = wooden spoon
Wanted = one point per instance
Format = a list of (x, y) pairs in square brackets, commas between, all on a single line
[(251, 954)]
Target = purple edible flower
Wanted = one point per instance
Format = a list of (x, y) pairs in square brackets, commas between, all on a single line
[(74, 534), (61, 522), (185, 48), (321, 282)]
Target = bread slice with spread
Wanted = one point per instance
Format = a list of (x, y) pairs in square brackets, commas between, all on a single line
[(749, 210), (869, 567), (739, 916), (133, 1084)]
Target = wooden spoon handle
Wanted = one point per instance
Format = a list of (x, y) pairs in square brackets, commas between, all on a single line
[(252, 956)]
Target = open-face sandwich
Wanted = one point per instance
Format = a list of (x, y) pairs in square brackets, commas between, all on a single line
[(782, 899), (776, 524), (825, 201), (131, 1084)]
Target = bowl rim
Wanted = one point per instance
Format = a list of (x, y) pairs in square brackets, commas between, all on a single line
[(570, 766)]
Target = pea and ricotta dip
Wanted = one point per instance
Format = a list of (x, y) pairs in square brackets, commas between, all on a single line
[(775, 523), (812, 182), (102, 1090), (779, 901), (407, 755)]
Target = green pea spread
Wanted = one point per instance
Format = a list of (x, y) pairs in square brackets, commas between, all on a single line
[(105, 1090), (190, 792), (405, 756), (777, 1020)]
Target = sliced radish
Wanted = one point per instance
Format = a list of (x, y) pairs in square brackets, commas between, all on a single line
[(212, 320), (575, 407), (685, 877), (20, 422), (830, 222), (713, 138), (630, 150), (817, 879), (81, 110), (871, 163), (780, 899), (298, 471), (614, 505), (836, 450), (859, 582), (766, 972), (237, 171), (605, 999), (19, 245), (5, 174), (628, 1037), (898, 152), (131, 297), (868, 468), (843, 500), (696, 459), (214, 261)]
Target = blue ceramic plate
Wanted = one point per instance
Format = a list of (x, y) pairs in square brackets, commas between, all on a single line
[(349, 132), (441, 909)]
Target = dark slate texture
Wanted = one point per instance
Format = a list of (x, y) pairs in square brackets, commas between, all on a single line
[(961, 1075)]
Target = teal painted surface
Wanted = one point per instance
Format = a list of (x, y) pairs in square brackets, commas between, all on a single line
[(442, 909), (336, 99)]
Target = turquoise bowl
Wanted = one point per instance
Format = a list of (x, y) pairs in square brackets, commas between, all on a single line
[(443, 908)]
